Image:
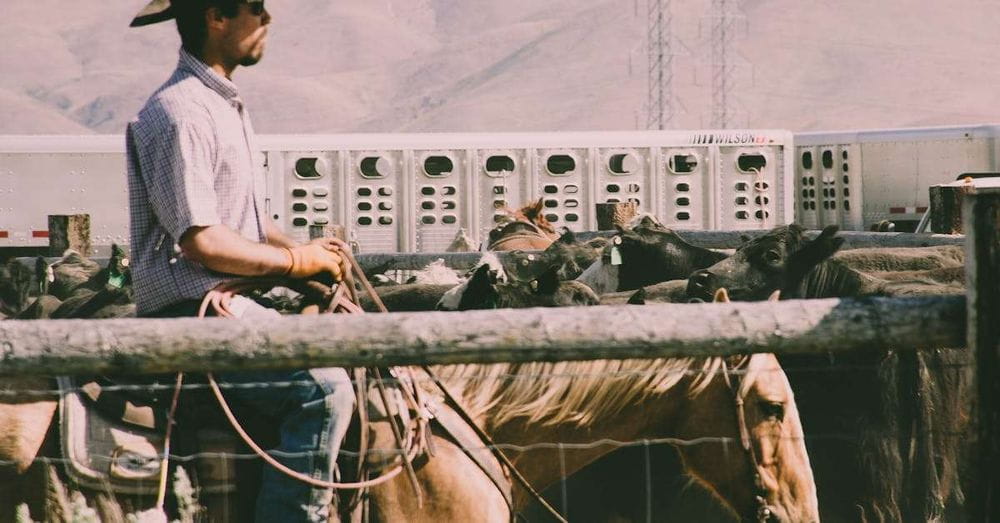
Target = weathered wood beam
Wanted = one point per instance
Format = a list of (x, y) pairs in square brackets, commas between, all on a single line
[(852, 239), (377, 263), (515, 335), (981, 212)]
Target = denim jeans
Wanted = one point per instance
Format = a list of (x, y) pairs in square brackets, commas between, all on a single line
[(314, 415)]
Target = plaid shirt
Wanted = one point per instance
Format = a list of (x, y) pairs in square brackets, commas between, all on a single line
[(192, 161)]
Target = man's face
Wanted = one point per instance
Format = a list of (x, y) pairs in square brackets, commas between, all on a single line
[(245, 35)]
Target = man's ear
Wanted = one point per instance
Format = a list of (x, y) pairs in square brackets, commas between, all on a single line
[(214, 19)]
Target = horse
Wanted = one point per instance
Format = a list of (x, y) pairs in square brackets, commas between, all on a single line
[(525, 228), (906, 411), (687, 399), (531, 404)]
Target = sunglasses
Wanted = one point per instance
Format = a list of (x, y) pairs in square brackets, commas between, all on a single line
[(256, 7)]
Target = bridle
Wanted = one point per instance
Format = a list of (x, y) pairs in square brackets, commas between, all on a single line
[(534, 233), (764, 512)]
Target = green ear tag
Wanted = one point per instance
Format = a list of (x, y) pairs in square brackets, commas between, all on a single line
[(616, 256), (117, 280)]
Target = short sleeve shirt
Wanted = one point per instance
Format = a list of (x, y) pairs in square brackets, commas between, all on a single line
[(192, 162)]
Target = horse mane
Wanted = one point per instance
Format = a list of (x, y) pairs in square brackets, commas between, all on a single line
[(579, 392)]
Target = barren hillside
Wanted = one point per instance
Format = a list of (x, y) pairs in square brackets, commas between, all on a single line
[(472, 65)]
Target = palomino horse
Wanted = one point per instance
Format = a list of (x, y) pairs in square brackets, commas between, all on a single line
[(525, 229), (737, 415), (695, 401)]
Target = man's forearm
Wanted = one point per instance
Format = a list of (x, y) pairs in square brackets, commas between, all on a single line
[(275, 236), (221, 249)]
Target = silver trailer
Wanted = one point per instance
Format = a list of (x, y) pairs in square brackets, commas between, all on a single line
[(857, 178), (413, 192)]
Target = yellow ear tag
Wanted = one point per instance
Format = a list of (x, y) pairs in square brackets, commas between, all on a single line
[(616, 256)]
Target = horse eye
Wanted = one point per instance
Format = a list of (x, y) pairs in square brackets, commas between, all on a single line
[(773, 410), (772, 256)]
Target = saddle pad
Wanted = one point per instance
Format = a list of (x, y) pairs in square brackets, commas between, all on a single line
[(106, 454)]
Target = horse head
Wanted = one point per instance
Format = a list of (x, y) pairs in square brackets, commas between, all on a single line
[(526, 228), (768, 476)]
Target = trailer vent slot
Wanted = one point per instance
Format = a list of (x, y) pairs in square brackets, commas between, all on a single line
[(682, 163), (438, 166), (560, 164), (375, 167), (751, 163), (623, 164), (828, 159), (807, 160), (499, 165), (306, 168)]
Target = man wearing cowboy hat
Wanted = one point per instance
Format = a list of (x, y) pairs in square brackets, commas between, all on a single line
[(196, 220)]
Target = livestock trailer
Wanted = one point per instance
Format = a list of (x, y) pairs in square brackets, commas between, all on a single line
[(414, 192), (857, 178)]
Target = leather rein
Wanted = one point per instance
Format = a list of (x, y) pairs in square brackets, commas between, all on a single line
[(344, 298), (764, 512)]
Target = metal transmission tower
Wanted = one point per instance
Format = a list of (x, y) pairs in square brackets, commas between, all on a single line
[(724, 16), (660, 53)]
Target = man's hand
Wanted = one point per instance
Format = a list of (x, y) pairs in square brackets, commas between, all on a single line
[(314, 258), (337, 246)]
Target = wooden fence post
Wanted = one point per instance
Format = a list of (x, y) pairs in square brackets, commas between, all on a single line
[(946, 208), (611, 214), (69, 231), (981, 209), (327, 231)]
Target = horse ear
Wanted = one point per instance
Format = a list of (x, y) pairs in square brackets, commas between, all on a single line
[(534, 209), (775, 296), (721, 296), (744, 238), (548, 282), (639, 298)]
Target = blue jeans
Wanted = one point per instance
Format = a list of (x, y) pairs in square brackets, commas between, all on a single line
[(314, 415)]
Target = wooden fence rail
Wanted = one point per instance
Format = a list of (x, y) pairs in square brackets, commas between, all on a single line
[(653, 331)]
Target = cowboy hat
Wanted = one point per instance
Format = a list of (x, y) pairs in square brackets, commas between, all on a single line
[(161, 10), (156, 11)]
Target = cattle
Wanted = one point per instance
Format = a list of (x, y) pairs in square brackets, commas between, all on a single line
[(645, 255)]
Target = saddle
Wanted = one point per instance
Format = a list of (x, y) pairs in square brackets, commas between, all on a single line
[(114, 441)]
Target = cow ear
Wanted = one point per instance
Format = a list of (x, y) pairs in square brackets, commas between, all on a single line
[(825, 244), (548, 282), (639, 298), (567, 237), (721, 296), (744, 238)]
